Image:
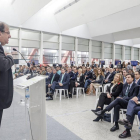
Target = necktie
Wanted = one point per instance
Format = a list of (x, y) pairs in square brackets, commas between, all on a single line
[(127, 91), (62, 78), (52, 78)]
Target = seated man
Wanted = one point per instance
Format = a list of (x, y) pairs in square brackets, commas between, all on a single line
[(130, 89), (62, 83), (109, 78), (88, 74), (132, 109), (53, 77), (137, 77)]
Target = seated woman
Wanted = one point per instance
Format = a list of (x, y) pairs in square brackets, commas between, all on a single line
[(113, 91), (97, 82), (79, 82)]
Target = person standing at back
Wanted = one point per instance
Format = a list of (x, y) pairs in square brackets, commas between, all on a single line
[(6, 77)]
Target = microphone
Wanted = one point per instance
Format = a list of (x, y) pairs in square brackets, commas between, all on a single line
[(32, 75), (22, 57)]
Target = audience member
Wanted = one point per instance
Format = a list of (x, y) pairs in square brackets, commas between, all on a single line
[(112, 93), (130, 90)]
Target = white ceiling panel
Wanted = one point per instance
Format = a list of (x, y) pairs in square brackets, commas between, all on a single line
[(86, 11), (124, 20), (20, 11)]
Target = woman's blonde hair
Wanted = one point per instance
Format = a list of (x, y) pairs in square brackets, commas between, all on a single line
[(120, 79), (80, 70)]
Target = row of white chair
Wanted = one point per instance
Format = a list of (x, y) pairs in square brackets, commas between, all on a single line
[(65, 91)]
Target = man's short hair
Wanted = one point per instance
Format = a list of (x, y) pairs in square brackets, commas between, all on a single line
[(132, 75), (63, 68), (138, 72), (2, 26)]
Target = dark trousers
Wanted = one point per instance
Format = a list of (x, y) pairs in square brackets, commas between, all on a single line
[(55, 85), (1, 112), (132, 109), (72, 82), (103, 100), (72, 85), (117, 104), (46, 88)]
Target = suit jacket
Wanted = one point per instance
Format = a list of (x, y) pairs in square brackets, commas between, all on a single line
[(65, 80), (81, 81), (138, 83), (100, 65), (100, 81), (71, 74), (117, 89), (107, 74), (89, 75), (56, 78), (74, 76), (111, 77), (6, 80), (132, 92), (111, 66)]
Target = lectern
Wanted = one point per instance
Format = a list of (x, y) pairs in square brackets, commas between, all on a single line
[(37, 105)]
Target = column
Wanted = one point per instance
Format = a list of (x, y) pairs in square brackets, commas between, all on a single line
[(132, 53), (90, 51), (139, 54), (20, 42), (76, 49), (113, 55), (102, 51), (123, 53), (60, 48), (41, 48)]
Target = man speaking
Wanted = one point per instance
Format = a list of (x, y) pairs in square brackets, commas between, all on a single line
[(6, 78)]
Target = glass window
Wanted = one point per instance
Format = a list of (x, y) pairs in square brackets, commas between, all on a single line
[(82, 57), (30, 53), (50, 56), (67, 57), (10, 50)]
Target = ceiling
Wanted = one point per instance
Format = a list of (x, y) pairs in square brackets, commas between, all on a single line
[(115, 21)]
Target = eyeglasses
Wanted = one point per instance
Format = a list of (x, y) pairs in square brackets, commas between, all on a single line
[(6, 32)]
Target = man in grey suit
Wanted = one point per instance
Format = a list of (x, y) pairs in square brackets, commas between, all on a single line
[(6, 78), (129, 67)]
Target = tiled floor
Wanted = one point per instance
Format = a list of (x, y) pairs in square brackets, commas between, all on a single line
[(75, 115)]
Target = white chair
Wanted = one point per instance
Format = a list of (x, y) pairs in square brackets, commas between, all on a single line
[(112, 111), (78, 89), (60, 92), (105, 87), (98, 90), (136, 117)]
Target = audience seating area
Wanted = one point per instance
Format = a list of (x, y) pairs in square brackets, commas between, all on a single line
[(71, 81)]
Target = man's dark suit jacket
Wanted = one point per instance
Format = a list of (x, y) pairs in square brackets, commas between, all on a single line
[(132, 93), (89, 75), (56, 78), (65, 80), (111, 77), (6, 80)]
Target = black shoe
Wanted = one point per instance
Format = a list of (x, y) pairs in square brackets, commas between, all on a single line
[(98, 118), (99, 113), (70, 95), (125, 134), (50, 98), (114, 128), (94, 111), (98, 109), (126, 123)]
